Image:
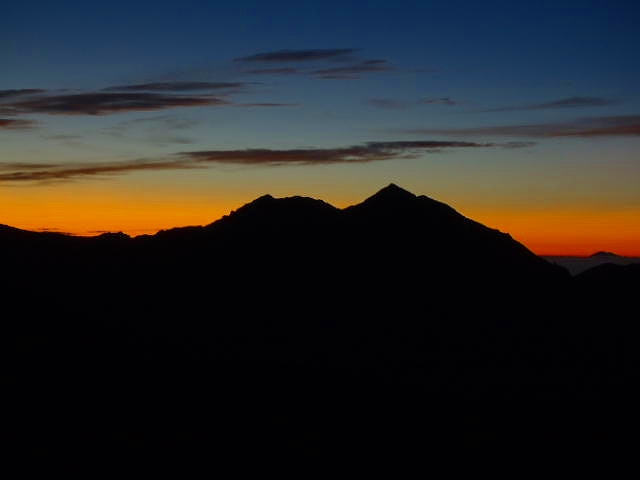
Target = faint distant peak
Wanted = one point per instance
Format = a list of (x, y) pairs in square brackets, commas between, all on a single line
[(603, 254)]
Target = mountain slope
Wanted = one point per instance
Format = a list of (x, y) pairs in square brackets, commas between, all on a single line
[(423, 230)]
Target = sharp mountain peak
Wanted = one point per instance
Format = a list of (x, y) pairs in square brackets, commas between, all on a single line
[(392, 193)]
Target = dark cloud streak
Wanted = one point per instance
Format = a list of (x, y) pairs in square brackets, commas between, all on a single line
[(177, 86), (391, 103), (19, 92), (439, 101), (297, 55), (367, 152), (107, 103), (58, 172), (570, 102), (273, 71)]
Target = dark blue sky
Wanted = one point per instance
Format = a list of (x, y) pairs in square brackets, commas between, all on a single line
[(531, 43)]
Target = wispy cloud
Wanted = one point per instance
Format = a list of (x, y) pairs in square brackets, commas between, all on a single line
[(350, 65), (570, 102), (16, 124), (106, 103), (353, 70), (439, 101), (367, 152), (19, 92), (274, 71), (178, 86), (285, 56), (391, 103), (57, 172), (620, 125)]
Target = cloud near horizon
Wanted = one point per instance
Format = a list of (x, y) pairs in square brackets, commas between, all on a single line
[(620, 125), (367, 152), (52, 172), (16, 124)]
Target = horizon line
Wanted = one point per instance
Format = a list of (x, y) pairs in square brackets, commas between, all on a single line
[(142, 232)]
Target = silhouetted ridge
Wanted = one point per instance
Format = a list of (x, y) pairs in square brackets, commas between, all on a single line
[(279, 214), (268, 205), (7, 231), (113, 236)]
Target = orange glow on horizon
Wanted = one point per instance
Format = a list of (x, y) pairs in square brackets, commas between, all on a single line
[(570, 232), (88, 210)]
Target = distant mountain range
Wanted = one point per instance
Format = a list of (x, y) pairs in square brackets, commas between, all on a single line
[(577, 265), (293, 328)]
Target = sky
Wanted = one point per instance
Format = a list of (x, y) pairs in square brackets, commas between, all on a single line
[(141, 116)]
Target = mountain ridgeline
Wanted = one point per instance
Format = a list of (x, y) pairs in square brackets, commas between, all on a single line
[(290, 326)]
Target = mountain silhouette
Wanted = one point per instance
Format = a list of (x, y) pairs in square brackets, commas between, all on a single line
[(405, 228), (292, 327)]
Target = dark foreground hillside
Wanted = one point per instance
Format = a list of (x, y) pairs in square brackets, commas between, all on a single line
[(291, 330)]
